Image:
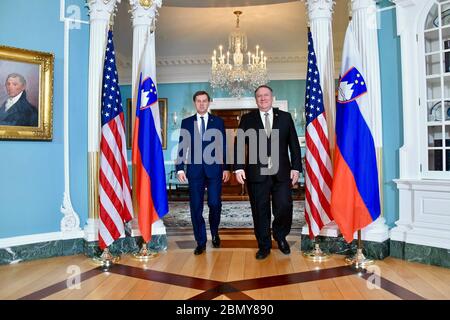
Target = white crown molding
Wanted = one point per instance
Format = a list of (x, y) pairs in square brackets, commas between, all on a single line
[(196, 68), (282, 57)]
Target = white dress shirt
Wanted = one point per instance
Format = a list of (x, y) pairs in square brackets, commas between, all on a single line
[(263, 117), (199, 121), (11, 101)]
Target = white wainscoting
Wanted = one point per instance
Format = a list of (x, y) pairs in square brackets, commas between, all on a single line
[(424, 213)]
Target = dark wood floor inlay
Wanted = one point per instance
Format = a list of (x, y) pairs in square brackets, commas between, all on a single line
[(292, 278), (223, 289), (60, 286), (233, 289), (164, 277), (394, 288)]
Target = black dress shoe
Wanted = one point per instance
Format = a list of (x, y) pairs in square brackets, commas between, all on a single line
[(262, 254), (284, 246), (199, 250), (216, 241)]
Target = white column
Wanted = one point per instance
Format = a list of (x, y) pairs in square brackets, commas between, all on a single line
[(365, 26), (320, 14), (100, 12), (409, 154), (143, 17)]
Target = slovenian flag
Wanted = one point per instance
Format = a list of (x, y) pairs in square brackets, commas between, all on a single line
[(149, 180), (355, 200)]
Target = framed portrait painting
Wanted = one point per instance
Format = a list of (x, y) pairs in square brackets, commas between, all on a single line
[(162, 115), (26, 94)]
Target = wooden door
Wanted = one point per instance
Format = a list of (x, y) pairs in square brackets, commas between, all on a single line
[(232, 190)]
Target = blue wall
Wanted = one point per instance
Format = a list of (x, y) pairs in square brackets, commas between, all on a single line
[(32, 183), (391, 96)]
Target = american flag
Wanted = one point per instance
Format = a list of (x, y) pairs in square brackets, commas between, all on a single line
[(318, 173), (115, 196)]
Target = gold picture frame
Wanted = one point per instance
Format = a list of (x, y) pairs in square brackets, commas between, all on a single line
[(26, 111), (163, 106)]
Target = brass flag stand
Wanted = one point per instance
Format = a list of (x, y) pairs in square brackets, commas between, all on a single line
[(316, 254), (144, 254), (106, 259), (359, 261)]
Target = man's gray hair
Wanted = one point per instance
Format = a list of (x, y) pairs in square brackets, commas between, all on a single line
[(19, 76)]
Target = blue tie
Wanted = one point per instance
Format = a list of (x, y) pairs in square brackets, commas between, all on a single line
[(203, 126)]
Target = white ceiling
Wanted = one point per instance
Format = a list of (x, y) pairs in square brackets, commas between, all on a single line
[(194, 28)]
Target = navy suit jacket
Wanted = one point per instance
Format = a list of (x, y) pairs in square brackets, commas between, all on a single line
[(191, 148), (22, 113), (287, 145)]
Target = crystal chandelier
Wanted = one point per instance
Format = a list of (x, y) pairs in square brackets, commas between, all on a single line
[(236, 76)]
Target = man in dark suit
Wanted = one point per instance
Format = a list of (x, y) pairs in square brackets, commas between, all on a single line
[(16, 110), (202, 148), (272, 173)]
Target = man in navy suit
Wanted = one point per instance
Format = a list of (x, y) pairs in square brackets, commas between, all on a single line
[(202, 148), (16, 110)]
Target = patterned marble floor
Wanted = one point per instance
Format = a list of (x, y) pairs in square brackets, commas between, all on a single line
[(235, 214)]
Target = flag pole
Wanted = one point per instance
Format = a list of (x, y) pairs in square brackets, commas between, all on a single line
[(144, 253), (106, 260), (316, 254), (359, 261)]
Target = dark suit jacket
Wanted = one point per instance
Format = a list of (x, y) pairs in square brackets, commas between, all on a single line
[(22, 113), (288, 142), (196, 170)]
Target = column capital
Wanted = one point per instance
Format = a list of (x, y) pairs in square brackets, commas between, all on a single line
[(319, 9), (101, 9), (144, 12)]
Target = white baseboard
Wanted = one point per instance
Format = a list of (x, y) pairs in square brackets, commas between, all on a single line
[(377, 231), (40, 237), (423, 237), (158, 228), (330, 230)]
